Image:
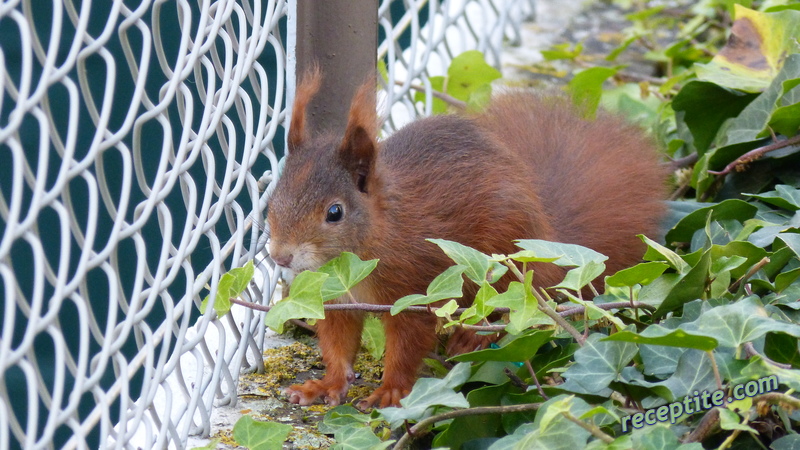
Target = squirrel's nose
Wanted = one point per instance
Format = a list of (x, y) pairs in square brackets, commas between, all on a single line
[(283, 260)]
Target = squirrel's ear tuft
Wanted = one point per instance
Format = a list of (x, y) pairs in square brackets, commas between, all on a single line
[(359, 147), (306, 89)]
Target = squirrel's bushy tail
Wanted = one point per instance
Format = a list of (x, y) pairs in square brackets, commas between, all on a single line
[(600, 181)]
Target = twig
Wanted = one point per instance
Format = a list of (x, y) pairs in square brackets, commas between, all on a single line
[(440, 95), (714, 366), (778, 398), (753, 270), (755, 154), (594, 429), (489, 328), (636, 77), (751, 351), (686, 161), (708, 424), (303, 324), (368, 307), (606, 306), (514, 270), (514, 379), (536, 380), (680, 191), (545, 308), (477, 411)]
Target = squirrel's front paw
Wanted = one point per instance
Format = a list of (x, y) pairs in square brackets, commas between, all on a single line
[(311, 390)]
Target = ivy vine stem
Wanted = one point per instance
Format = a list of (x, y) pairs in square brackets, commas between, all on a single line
[(536, 380), (594, 429), (440, 95), (708, 424), (755, 154), (477, 411), (714, 366), (560, 321), (751, 351)]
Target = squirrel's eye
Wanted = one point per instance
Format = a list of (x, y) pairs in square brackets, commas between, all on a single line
[(335, 213)]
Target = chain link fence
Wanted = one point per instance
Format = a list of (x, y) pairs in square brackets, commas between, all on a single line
[(137, 143)]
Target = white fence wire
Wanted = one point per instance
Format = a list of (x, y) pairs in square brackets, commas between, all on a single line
[(137, 141)]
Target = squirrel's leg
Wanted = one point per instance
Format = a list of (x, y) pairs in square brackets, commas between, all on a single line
[(409, 338), (339, 338)]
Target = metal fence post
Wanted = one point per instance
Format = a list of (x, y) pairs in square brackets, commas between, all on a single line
[(341, 36)]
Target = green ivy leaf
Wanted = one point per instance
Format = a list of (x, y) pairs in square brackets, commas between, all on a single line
[(345, 271), (643, 274), (567, 255), (373, 337), (467, 428), (729, 420), (522, 348), (231, 285), (790, 441), (528, 256), (739, 249), (447, 309), (782, 348), (304, 301), (745, 131), (687, 287), (659, 336), (731, 209), (758, 368), (693, 373), (446, 285), (586, 88), (691, 106), (737, 323), (342, 416), (786, 117), (659, 360), (563, 51), (358, 438), (524, 306), (467, 73), (577, 278), (476, 265), (597, 364), (657, 252), (659, 437), (784, 196), (428, 393), (480, 307), (551, 429), (256, 435)]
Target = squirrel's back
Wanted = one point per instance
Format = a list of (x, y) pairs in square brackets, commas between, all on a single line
[(600, 181), (527, 167)]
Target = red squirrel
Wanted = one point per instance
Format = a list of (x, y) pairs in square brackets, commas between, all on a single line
[(528, 166)]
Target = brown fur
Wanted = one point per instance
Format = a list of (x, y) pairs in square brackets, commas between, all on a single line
[(528, 167)]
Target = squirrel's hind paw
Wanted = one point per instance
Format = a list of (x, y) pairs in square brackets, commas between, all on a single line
[(311, 390), (382, 397)]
